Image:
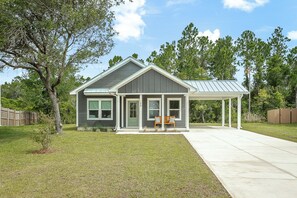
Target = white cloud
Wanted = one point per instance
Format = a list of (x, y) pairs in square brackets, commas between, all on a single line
[(292, 35), (129, 23), (178, 2), (245, 5), (215, 35)]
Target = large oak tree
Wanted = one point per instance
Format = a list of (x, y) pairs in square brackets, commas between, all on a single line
[(53, 37)]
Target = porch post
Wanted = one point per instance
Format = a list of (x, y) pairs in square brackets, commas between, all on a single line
[(187, 117), (162, 111), (117, 112), (239, 112), (223, 112), (122, 111), (140, 112), (230, 106)]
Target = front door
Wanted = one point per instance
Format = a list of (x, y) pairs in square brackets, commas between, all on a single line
[(133, 111)]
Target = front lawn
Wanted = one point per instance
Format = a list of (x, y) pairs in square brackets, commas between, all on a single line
[(92, 164), (283, 131)]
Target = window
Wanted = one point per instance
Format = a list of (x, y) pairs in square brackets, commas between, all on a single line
[(153, 108), (100, 109), (174, 108)]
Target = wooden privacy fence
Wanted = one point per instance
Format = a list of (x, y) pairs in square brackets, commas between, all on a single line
[(11, 117), (282, 116)]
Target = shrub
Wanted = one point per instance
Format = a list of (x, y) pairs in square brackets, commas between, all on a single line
[(43, 133)]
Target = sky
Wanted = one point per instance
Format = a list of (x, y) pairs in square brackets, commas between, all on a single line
[(144, 25)]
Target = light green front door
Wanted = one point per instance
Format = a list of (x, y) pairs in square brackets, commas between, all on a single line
[(133, 113)]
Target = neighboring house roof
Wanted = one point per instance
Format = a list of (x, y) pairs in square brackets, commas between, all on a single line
[(156, 68), (214, 89), (107, 72)]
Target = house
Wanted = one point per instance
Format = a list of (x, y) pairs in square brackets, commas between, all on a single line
[(130, 95)]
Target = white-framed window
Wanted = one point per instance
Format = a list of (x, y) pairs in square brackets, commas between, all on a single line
[(174, 107), (100, 109), (153, 108)]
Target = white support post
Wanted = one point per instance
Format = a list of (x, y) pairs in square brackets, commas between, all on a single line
[(122, 111), (238, 112), (117, 112), (162, 113), (223, 112), (76, 103), (187, 117), (230, 112), (140, 112)]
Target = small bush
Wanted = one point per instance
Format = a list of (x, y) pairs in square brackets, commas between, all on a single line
[(42, 135), (253, 117)]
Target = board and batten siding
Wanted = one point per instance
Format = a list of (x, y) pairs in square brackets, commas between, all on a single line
[(83, 114), (152, 82), (116, 76)]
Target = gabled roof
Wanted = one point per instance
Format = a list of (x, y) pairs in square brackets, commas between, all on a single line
[(107, 72), (158, 69), (217, 88)]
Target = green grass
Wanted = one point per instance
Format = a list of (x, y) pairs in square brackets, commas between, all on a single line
[(282, 131), (89, 164)]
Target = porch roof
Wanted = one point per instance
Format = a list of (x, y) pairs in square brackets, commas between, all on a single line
[(216, 89)]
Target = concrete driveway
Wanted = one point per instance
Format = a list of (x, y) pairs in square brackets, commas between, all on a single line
[(248, 164)]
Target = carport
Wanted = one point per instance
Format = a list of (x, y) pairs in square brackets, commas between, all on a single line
[(219, 90)]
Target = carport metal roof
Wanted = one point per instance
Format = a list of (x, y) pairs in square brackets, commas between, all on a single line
[(216, 89)]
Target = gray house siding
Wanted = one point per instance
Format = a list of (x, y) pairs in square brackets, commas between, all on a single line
[(82, 112), (152, 82), (116, 76)]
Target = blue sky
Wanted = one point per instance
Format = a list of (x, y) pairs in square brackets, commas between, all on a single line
[(144, 25)]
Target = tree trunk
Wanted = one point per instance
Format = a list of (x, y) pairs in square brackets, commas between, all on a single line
[(296, 97), (56, 109)]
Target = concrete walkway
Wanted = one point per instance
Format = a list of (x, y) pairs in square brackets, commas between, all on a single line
[(248, 164)]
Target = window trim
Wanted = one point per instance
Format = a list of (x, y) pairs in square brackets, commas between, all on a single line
[(99, 110), (168, 107), (148, 108)]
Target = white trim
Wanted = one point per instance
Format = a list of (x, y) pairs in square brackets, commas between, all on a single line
[(163, 113), (124, 94), (140, 112), (187, 106), (180, 105), (118, 112), (223, 112), (107, 72), (239, 112), (76, 123), (230, 112), (161, 71), (127, 109), (99, 110), (122, 111), (147, 109)]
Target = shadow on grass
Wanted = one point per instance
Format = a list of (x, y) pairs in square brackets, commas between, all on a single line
[(12, 133)]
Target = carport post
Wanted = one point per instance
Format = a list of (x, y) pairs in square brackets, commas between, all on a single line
[(239, 112), (230, 106), (223, 112)]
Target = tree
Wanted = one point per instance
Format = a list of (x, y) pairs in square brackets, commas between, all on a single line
[(166, 58), (246, 46), (192, 54), (277, 68), (54, 37), (222, 65), (115, 60), (292, 61)]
